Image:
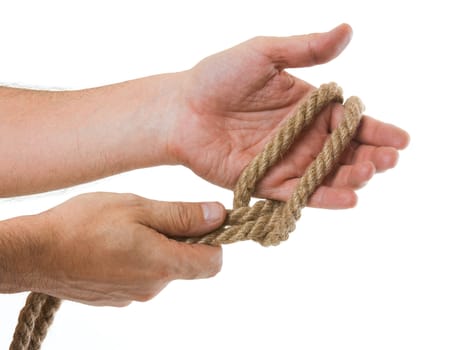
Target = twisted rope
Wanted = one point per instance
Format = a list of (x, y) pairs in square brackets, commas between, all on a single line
[(33, 321), (268, 222)]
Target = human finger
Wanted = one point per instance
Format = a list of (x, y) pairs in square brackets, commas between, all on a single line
[(352, 176), (333, 198), (305, 50), (383, 158), (326, 197), (377, 133), (193, 261), (372, 131), (183, 219)]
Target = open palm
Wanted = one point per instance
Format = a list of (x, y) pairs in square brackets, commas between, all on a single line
[(236, 101)]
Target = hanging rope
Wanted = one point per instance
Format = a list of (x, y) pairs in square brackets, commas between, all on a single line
[(268, 222)]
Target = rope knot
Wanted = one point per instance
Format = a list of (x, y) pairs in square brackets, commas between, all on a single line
[(270, 222)]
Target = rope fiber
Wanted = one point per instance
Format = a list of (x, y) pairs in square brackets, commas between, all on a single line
[(267, 222)]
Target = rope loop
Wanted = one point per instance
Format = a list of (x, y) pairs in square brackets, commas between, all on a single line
[(270, 222)]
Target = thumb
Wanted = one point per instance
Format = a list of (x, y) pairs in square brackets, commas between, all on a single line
[(306, 50), (184, 219)]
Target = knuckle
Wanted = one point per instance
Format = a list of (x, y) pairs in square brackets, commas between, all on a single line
[(132, 199), (353, 201), (144, 297), (313, 55), (182, 218), (258, 40), (155, 289), (259, 43), (209, 267), (161, 275), (121, 304), (132, 206)]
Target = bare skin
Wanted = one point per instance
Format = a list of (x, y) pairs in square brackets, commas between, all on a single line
[(110, 249), (107, 248)]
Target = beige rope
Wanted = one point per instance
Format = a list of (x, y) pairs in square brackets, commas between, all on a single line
[(34, 320), (268, 222)]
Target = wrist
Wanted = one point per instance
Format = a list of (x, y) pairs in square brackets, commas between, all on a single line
[(23, 253), (162, 106)]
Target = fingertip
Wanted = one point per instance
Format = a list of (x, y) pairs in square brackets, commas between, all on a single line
[(346, 28), (333, 198), (345, 199), (403, 141), (344, 33), (349, 200), (216, 261)]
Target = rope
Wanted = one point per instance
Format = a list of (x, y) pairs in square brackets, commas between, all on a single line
[(33, 321), (268, 222)]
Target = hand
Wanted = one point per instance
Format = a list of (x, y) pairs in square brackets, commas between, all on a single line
[(110, 249), (237, 99)]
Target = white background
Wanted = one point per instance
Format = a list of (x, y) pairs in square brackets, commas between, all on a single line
[(385, 275)]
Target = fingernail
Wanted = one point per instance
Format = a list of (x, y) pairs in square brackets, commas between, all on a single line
[(212, 211)]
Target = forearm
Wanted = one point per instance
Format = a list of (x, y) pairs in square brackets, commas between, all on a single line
[(55, 139)]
